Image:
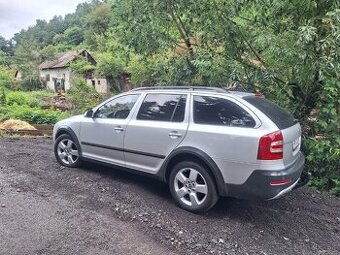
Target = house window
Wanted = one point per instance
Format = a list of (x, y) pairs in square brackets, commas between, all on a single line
[(48, 78), (93, 83), (98, 82)]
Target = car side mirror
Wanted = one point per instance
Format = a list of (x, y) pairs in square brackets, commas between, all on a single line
[(89, 114)]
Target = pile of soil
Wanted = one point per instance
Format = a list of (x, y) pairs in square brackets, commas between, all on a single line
[(16, 125)]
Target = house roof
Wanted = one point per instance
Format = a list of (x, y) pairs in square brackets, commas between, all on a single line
[(64, 59)]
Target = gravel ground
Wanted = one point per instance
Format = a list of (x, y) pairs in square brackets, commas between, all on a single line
[(48, 209)]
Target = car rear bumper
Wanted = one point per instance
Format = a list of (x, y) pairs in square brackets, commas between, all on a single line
[(258, 185)]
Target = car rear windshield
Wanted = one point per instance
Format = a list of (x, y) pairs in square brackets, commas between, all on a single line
[(279, 116)]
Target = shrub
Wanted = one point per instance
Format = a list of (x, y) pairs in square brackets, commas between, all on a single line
[(2, 97), (31, 83), (25, 106), (83, 96), (322, 147), (6, 78), (21, 98), (32, 115)]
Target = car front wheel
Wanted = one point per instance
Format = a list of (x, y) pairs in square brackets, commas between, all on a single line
[(67, 151), (192, 187)]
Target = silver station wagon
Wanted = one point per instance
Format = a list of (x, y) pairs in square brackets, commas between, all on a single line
[(204, 142)]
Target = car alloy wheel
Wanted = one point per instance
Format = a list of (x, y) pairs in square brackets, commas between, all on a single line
[(190, 187), (67, 152)]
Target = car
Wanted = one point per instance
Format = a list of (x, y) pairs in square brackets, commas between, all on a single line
[(204, 142)]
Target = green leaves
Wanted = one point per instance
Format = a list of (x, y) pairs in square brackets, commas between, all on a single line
[(81, 66)]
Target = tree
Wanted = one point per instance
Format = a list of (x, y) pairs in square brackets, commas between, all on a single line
[(73, 35), (109, 65), (82, 66), (6, 78), (48, 53), (4, 59), (6, 46)]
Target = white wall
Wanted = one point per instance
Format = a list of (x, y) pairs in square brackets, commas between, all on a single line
[(100, 85), (57, 74)]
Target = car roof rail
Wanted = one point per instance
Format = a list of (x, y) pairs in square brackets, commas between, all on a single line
[(192, 88)]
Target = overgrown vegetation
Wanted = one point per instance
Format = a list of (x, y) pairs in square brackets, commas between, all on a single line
[(26, 106), (83, 97), (286, 49)]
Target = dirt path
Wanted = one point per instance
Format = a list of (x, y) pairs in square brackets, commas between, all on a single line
[(48, 209)]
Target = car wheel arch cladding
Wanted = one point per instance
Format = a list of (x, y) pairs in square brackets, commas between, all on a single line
[(171, 160), (67, 130)]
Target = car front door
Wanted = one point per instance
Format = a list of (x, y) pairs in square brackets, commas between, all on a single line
[(155, 130), (102, 136)]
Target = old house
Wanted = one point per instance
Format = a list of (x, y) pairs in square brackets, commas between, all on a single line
[(57, 75)]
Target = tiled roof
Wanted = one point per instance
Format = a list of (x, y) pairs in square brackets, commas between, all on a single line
[(60, 61)]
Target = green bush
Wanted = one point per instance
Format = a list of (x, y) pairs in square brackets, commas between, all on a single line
[(25, 106), (21, 98), (30, 99), (31, 115), (323, 161), (31, 83), (2, 97), (83, 97), (6, 78), (322, 147)]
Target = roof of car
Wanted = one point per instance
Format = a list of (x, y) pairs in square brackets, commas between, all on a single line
[(192, 89)]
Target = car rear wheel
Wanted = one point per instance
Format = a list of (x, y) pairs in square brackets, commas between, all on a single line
[(192, 187), (67, 151)]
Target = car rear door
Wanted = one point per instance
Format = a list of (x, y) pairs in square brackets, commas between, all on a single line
[(155, 130), (102, 137)]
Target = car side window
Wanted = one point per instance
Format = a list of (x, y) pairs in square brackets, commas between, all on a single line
[(221, 112), (118, 108), (163, 107)]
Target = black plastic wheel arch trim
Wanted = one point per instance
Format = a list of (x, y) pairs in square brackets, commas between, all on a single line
[(221, 188), (69, 131)]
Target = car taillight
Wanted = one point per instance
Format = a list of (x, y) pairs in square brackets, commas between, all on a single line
[(271, 146)]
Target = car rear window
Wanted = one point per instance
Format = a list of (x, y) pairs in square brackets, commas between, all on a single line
[(220, 112), (279, 116)]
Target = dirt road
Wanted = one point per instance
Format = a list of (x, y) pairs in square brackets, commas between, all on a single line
[(48, 209)]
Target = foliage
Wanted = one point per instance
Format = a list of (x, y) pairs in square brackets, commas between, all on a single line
[(6, 46), (97, 21), (30, 83), (31, 115), (83, 97), (25, 106), (109, 65), (145, 70), (2, 97), (73, 35), (323, 149), (4, 59), (21, 98), (81, 66), (6, 77), (48, 53)]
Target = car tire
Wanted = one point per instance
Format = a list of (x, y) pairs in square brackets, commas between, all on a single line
[(192, 187), (67, 151)]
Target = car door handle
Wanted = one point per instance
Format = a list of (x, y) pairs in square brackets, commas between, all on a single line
[(174, 135), (118, 129)]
